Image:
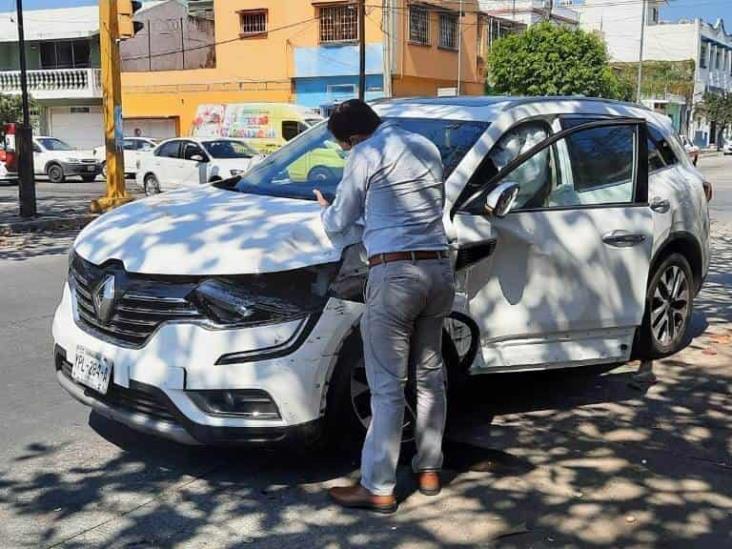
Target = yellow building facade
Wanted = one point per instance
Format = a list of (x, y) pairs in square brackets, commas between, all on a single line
[(300, 51)]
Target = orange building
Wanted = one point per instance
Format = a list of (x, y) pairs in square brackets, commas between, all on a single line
[(298, 51)]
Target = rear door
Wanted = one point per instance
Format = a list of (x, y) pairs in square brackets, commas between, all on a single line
[(561, 280), (166, 164)]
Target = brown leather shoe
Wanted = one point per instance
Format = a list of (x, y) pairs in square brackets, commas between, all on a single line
[(359, 497), (429, 483)]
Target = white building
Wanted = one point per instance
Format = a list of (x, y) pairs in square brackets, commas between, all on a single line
[(62, 51), (709, 46), (531, 12)]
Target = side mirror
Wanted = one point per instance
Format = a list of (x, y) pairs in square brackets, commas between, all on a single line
[(501, 199), (197, 158)]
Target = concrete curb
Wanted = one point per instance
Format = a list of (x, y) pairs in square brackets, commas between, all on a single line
[(50, 223)]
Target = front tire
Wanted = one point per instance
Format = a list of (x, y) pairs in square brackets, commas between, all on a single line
[(348, 403), (669, 306), (55, 173), (152, 185)]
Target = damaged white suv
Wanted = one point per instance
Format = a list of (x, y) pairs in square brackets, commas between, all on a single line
[(579, 230)]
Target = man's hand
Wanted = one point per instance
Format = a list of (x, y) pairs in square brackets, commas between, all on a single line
[(321, 199)]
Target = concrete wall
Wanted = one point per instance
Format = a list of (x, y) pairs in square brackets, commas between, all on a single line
[(170, 40), (619, 25)]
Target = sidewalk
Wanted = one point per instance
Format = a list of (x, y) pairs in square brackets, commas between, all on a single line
[(53, 214)]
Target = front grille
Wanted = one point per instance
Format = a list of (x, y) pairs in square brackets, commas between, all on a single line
[(129, 400), (141, 305)]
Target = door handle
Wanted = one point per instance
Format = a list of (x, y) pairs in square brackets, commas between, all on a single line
[(622, 239), (661, 206)]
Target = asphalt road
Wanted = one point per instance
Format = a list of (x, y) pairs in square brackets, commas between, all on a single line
[(578, 458)]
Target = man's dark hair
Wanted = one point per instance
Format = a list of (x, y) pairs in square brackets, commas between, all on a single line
[(353, 117)]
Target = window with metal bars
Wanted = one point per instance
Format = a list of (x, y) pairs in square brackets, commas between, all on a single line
[(448, 31), (338, 24), (419, 25), (253, 22)]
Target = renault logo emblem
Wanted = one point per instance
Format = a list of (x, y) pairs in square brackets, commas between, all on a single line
[(104, 298)]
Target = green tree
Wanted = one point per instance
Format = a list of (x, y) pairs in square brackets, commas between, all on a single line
[(717, 108), (11, 109), (552, 60)]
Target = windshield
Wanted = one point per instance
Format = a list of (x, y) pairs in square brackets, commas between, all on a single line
[(315, 161), (53, 144), (228, 149), (313, 121)]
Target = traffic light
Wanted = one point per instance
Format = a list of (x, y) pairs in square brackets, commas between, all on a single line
[(128, 27)]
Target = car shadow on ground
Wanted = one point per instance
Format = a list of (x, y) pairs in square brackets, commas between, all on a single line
[(562, 455)]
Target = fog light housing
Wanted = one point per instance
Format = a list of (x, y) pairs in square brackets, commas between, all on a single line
[(242, 403)]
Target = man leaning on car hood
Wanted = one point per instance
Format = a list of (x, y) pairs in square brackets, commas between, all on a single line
[(393, 184)]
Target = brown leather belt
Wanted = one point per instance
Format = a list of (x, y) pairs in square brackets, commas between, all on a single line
[(405, 256)]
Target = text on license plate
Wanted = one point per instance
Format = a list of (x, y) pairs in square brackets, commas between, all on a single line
[(92, 369)]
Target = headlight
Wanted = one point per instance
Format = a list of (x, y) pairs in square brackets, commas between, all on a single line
[(71, 160), (270, 298)]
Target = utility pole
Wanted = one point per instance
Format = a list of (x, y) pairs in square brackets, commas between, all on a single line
[(24, 133), (109, 38), (513, 10), (458, 88), (640, 57), (362, 50), (550, 10), (386, 22)]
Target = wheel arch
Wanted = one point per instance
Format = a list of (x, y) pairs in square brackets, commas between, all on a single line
[(687, 245), (52, 163)]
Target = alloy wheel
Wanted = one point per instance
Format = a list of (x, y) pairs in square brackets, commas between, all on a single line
[(152, 186), (670, 306), (361, 402)]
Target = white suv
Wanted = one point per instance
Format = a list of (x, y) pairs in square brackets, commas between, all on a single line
[(225, 314)]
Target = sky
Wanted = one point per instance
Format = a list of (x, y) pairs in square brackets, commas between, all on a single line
[(709, 10)]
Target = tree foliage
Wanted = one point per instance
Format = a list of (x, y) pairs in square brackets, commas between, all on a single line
[(659, 78), (552, 60), (11, 109), (716, 107)]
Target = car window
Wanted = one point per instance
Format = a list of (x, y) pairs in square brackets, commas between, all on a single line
[(601, 167), (587, 167), (145, 145), (292, 128), (129, 144), (316, 161), (193, 149), (53, 144), (229, 149), (662, 146), (169, 150), (36, 148), (535, 177)]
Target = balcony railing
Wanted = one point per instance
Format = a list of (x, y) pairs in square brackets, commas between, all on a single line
[(55, 84)]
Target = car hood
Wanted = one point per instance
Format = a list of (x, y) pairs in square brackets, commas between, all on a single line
[(210, 231)]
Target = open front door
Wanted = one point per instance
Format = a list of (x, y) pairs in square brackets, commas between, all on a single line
[(561, 280)]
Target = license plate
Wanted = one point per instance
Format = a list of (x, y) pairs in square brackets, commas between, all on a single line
[(92, 369), (90, 168)]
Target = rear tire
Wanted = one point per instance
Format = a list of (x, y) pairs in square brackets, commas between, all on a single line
[(669, 306), (152, 185), (55, 173)]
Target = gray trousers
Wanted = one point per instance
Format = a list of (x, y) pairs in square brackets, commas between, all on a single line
[(406, 305)]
